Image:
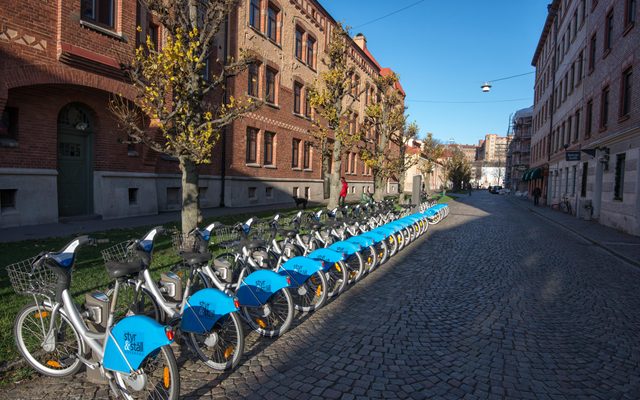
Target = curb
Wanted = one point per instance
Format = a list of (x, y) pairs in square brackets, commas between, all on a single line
[(586, 238)]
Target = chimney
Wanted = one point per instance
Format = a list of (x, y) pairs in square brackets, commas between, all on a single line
[(361, 41)]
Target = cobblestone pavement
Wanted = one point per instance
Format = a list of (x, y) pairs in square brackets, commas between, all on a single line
[(494, 303)]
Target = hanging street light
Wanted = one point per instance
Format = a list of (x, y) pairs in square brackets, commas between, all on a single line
[(486, 87)]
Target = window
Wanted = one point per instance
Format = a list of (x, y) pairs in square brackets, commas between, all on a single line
[(133, 196), (588, 124), (252, 193), (272, 23), (306, 156), (574, 172), (579, 69), (268, 192), (252, 145), (99, 12), (254, 14), (576, 134), (630, 13), (354, 162), (269, 139), (173, 196), (202, 193), (604, 108), (297, 97), (608, 31), (592, 52), (585, 172), (307, 192), (311, 43), (295, 152), (9, 123), (583, 11), (8, 200), (296, 191), (618, 189), (298, 48), (271, 86), (253, 88), (625, 104), (568, 137), (307, 103), (356, 85)]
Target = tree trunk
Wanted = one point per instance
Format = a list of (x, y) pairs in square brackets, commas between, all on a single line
[(190, 207), (325, 172), (378, 186), (401, 178), (335, 184)]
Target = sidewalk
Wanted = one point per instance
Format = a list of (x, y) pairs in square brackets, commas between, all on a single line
[(617, 243), (98, 225)]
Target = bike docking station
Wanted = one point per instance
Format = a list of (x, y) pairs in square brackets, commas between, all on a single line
[(96, 306)]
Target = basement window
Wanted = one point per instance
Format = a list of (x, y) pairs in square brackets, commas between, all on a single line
[(8, 200), (133, 196)]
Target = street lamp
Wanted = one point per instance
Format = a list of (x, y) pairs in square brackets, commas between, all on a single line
[(486, 87)]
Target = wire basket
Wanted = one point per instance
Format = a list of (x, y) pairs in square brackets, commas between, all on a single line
[(28, 279), (225, 237), (186, 243), (123, 252)]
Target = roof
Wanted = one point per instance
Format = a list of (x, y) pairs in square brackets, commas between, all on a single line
[(389, 72), (553, 9)]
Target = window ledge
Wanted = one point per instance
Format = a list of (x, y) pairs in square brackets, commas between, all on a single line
[(8, 143), (133, 153), (623, 118), (606, 53), (296, 169), (9, 211), (104, 31), (272, 105), (273, 42), (628, 28), (270, 166), (253, 165), (307, 170)]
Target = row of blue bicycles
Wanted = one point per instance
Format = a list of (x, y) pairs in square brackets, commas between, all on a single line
[(256, 273)]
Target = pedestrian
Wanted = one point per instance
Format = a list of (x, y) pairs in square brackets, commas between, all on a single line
[(536, 195), (343, 192)]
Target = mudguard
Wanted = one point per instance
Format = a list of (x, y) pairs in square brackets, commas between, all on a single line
[(256, 288), (360, 240), (299, 269), (384, 232), (130, 341), (345, 247), (327, 255), (204, 309), (377, 237)]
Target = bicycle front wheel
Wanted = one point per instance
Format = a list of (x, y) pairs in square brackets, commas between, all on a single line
[(337, 277), (157, 378), (52, 353), (272, 318), (223, 346)]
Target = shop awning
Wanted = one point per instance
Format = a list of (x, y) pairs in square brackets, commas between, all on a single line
[(531, 174)]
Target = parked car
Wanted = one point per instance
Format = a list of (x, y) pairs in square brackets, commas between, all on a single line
[(495, 189)]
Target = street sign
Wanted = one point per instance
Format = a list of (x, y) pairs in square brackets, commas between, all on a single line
[(572, 155)]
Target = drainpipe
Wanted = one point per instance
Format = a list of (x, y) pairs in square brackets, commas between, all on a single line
[(554, 13), (223, 142)]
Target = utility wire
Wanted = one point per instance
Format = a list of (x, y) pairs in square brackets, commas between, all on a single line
[(466, 102), (389, 14), (513, 76)]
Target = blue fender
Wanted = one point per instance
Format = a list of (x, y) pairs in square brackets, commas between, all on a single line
[(345, 247), (377, 237), (299, 269), (204, 309), (360, 240), (256, 288), (131, 340), (327, 255), (385, 232)]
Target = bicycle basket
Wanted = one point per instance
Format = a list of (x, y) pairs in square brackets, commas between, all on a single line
[(185, 243), (225, 237), (123, 252), (27, 279)]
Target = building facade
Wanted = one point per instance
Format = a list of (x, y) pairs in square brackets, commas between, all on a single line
[(61, 154), (518, 153), (586, 141), (491, 160)]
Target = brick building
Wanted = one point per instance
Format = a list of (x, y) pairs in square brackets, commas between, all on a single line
[(60, 153), (586, 140), (518, 154)]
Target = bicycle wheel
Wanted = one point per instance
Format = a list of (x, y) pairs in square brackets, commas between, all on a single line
[(355, 267), (134, 302), (382, 251), (223, 346), (337, 277), (370, 257), (157, 378), (52, 355), (272, 318), (312, 294), (392, 245)]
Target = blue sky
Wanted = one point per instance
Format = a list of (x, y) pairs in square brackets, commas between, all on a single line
[(444, 50)]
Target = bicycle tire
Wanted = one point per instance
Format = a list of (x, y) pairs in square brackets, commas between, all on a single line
[(62, 360), (312, 294), (129, 303), (156, 377), (261, 319), (337, 278), (224, 344)]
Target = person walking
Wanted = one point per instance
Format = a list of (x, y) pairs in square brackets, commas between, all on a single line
[(536, 196), (343, 192)]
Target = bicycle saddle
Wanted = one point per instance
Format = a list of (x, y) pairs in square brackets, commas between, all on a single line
[(196, 258), (118, 270)]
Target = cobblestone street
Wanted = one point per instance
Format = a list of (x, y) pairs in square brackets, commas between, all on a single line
[(494, 302)]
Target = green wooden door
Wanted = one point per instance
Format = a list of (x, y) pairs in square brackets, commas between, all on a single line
[(74, 166)]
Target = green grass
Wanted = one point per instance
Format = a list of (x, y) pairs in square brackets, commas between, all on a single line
[(447, 198), (89, 275)]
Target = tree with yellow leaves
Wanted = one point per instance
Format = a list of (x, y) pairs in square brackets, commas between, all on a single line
[(180, 94), (331, 97)]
